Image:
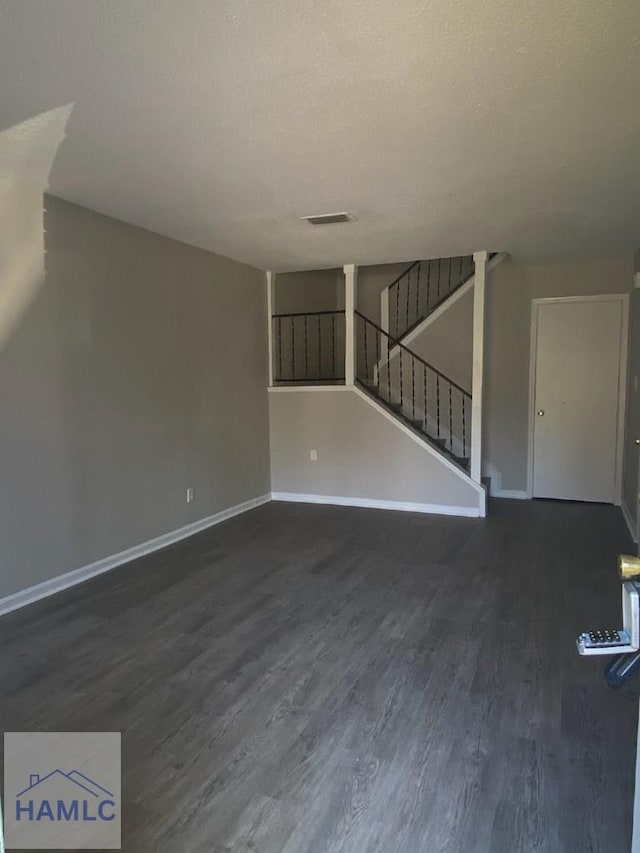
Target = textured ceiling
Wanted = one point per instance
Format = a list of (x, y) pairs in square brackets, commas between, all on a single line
[(442, 126)]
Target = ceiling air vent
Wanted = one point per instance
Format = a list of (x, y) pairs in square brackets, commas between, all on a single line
[(328, 218)]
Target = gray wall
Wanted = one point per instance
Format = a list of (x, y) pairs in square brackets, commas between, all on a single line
[(447, 343), (510, 290), (308, 348), (134, 367), (309, 291), (630, 482), (360, 453), (372, 280), (323, 290)]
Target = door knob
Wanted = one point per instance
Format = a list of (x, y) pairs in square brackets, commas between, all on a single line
[(637, 440), (541, 414)]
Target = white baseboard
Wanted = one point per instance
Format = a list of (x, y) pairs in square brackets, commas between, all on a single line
[(57, 584), (514, 494), (631, 522), (368, 503)]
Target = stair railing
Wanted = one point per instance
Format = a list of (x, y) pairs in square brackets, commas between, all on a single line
[(416, 391), (309, 347), (420, 289)]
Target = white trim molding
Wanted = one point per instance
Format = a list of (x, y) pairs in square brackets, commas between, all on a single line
[(384, 325), (350, 302), (479, 282), (271, 284), (374, 503), (76, 576), (513, 494), (279, 389), (623, 298)]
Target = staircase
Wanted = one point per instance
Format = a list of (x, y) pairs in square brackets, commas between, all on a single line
[(420, 290), (416, 392), (396, 432), (311, 348)]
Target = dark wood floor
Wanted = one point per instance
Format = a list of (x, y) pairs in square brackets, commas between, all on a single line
[(308, 678)]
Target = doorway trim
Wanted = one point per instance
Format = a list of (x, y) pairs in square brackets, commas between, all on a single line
[(623, 298)]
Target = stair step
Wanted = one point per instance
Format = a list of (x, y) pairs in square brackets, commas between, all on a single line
[(439, 442), (419, 425)]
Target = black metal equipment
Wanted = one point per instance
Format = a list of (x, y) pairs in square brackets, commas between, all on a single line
[(620, 669), (625, 642)]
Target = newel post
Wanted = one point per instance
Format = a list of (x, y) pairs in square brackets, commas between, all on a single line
[(350, 286), (479, 282), (271, 281), (384, 324)]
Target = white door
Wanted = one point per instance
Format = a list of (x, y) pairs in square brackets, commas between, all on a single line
[(577, 386)]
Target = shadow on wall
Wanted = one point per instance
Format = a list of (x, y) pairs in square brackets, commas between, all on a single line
[(28, 151), (35, 525)]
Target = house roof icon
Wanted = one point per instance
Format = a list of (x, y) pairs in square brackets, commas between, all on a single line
[(73, 777)]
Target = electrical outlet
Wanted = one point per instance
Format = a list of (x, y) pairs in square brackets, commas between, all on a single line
[(190, 496), (313, 455)]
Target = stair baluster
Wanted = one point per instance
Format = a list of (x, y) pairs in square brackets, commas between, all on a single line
[(442, 421), (431, 290)]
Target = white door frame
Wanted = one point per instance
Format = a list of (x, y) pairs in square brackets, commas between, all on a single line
[(623, 298)]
